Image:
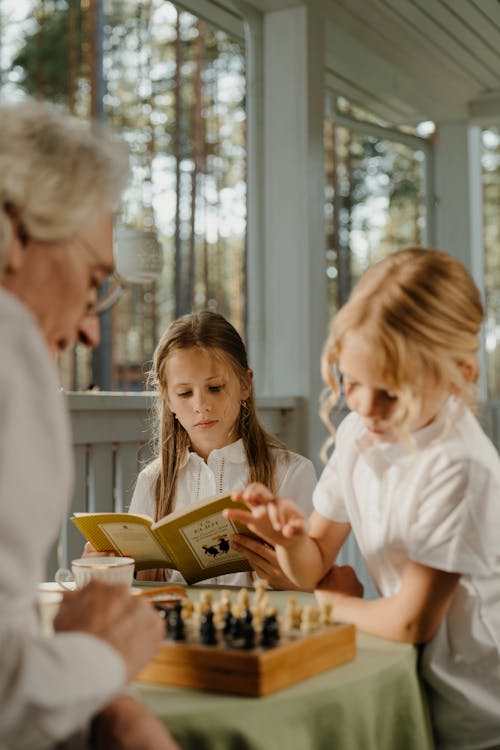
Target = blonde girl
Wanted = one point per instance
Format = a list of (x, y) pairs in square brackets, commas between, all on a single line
[(210, 438), (416, 479)]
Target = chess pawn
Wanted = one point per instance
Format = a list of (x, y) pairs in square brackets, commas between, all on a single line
[(310, 619), (325, 613), (292, 615)]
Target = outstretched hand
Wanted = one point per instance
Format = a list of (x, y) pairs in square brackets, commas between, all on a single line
[(277, 520)]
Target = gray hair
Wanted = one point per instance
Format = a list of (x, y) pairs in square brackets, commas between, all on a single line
[(55, 170)]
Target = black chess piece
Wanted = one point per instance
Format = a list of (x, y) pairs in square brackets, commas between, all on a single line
[(270, 631), (228, 624), (236, 632), (208, 635), (248, 634), (175, 623)]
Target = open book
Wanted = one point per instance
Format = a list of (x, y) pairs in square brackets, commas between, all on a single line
[(196, 540)]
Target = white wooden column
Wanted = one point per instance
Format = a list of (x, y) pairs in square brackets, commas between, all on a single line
[(459, 215), (287, 280)]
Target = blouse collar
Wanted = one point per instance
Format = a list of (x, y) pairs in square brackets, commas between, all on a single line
[(234, 453)]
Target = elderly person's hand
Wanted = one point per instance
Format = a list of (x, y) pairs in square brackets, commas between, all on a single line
[(129, 624)]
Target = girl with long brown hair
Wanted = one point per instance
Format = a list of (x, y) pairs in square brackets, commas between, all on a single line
[(210, 439)]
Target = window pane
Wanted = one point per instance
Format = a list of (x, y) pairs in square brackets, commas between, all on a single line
[(175, 88), (375, 204)]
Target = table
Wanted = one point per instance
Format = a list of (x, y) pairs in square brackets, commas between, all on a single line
[(372, 703)]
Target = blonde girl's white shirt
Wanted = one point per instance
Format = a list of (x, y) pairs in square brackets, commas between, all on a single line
[(226, 470), (439, 506), (49, 687)]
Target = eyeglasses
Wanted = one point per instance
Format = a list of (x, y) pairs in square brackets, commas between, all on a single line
[(114, 286), (111, 288)]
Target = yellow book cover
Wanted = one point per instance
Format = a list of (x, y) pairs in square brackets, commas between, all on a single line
[(196, 540)]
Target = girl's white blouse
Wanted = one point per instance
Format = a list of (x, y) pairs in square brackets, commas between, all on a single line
[(226, 469), (438, 505)]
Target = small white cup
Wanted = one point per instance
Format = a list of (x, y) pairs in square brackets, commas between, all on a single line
[(107, 569), (138, 254)]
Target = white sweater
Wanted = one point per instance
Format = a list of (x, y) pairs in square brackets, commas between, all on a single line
[(49, 688)]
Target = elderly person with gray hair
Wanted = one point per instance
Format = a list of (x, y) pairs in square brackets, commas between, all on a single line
[(60, 179)]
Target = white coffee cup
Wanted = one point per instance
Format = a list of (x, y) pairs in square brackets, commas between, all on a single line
[(138, 254), (107, 569)]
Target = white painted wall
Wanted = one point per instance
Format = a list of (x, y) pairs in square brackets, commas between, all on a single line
[(459, 209)]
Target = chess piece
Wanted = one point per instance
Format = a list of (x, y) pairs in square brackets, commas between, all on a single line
[(292, 615), (205, 601), (208, 635), (219, 615), (225, 600), (310, 619), (248, 632), (242, 603), (260, 586), (325, 613), (187, 609), (270, 631), (261, 601), (175, 623), (236, 632)]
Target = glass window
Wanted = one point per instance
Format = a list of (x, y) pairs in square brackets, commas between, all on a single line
[(174, 86), (374, 203)]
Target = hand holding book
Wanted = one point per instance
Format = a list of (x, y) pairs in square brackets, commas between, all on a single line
[(196, 541)]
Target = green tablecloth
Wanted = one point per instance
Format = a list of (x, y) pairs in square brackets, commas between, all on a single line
[(372, 703)]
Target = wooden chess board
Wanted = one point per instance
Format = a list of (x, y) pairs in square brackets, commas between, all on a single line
[(255, 672)]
